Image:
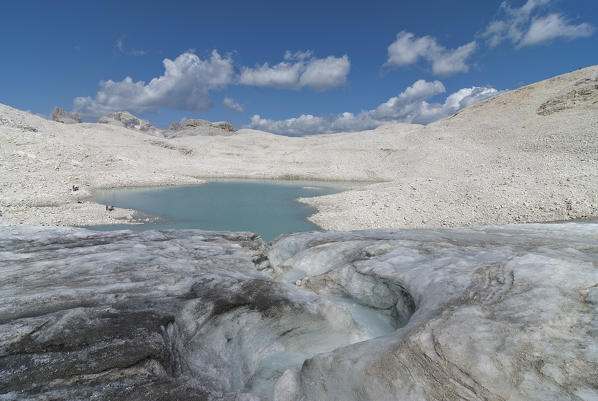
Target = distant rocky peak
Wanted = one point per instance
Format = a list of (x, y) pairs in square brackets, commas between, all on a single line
[(194, 123), (199, 123), (198, 127), (61, 116), (174, 126), (128, 120)]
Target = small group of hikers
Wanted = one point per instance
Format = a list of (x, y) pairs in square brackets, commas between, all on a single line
[(76, 188)]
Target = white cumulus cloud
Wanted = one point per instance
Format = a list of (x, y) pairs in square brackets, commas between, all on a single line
[(409, 106), (554, 26), (185, 85), (408, 49), (527, 26), (233, 105), (283, 75), (299, 69)]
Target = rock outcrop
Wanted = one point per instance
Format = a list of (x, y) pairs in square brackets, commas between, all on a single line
[(197, 127), (491, 313), (584, 92), (61, 116), (224, 125), (128, 120), (195, 123)]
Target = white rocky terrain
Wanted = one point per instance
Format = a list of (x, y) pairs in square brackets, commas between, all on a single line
[(494, 313), (526, 155)]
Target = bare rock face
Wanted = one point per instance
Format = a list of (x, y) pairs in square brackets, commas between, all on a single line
[(224, 125), (490, 313), (174, 126), (198, 127), (195, 123), (61, 116), (128, 120)]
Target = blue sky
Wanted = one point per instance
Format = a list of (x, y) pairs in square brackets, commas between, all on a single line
[(348, 65)]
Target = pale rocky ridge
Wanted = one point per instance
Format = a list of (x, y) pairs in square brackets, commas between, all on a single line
[(526, 155), (189, 127), (197, 127)]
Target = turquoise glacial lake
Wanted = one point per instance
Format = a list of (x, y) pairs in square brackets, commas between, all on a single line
[(268, 208)]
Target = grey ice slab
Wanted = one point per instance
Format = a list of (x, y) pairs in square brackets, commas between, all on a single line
[(491, 313), (180, 314)]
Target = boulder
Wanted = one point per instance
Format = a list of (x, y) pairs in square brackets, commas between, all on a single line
[(224, 125), (61, 116)]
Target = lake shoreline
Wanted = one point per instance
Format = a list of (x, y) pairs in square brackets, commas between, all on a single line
[(267, 208)]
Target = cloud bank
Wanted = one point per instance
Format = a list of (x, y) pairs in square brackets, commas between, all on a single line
[(299, 70), (525, 26), (409, 106), (407, 49), (188, 80), (185, 85)]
